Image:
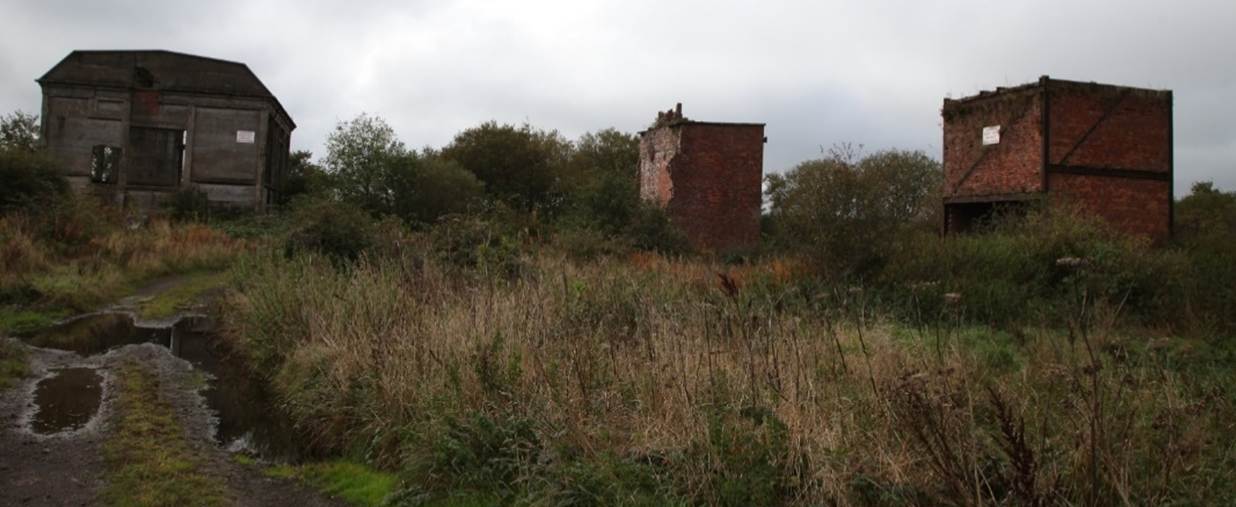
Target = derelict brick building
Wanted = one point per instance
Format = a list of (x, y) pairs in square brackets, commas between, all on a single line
[(1108, 149), (137, 126), (707, 176)]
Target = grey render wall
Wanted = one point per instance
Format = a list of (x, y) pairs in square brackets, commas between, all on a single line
[(168, 139)]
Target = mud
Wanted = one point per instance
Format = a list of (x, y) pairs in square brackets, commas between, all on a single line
[(53, 424), (243, 419)]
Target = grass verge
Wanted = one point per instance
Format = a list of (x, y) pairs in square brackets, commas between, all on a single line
[(183, 295), (18, 321), (354, 483), (149, 461)]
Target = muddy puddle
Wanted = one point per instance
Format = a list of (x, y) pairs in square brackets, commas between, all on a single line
[(240, 403), (66, 400)]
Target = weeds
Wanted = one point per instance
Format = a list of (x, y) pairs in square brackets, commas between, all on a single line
[(619, 380)]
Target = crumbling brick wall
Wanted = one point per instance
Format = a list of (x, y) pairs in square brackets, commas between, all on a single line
[(707, 176)]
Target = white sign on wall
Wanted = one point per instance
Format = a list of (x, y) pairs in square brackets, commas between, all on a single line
[(991, 135), (245, 136)]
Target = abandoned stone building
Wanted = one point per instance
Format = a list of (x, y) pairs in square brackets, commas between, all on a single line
[(1106, 149), (707, 176), (137, 126)]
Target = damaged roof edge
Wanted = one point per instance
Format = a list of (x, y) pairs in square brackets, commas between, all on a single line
[(1036, 85), (704, 123)]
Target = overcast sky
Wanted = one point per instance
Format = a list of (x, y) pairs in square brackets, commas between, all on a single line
[(869, 72)]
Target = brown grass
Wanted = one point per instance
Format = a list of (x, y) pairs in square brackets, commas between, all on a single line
[(652, 357)]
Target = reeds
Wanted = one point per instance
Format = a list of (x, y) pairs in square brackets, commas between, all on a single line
[(708, 384)]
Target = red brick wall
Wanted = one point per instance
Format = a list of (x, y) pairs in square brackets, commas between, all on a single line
[(1136, 135), (1014, 166), (709, 178), (1135, 206), (1091, 128)]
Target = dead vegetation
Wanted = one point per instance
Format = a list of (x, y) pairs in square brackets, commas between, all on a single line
[(654, 380)]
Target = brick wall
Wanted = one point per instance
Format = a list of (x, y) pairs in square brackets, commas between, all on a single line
[(1133, 135), (1109, 150), (708, 177), (1013, 166), (1135, 206)]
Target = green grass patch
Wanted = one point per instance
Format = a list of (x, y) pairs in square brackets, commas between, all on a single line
[(149, 461), (184, 294), (20, 321), (13, 365), (355, 483)]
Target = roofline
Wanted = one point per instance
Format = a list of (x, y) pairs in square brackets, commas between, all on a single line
[(1035, 85), (269, 94), (704, 123)]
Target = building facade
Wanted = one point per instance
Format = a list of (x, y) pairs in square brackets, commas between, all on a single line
[(1107, 150), (136, 127), (707, 176)]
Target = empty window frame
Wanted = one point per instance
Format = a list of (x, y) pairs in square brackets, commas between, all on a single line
[(104, 164)]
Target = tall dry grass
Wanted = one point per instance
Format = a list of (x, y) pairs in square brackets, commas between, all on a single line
[(652, 380), (78, 253)]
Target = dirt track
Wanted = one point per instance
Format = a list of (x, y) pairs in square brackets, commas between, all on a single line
[(68, 468)]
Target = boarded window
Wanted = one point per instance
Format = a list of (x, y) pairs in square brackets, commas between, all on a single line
[(155, 156), (104, 164)]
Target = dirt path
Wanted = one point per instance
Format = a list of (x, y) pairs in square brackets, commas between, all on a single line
[(70, 468)]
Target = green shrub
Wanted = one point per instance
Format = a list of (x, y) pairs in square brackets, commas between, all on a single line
[(30, 180), (650, 229), (486, 243), (189, 204), (845, 213), (336, 230)]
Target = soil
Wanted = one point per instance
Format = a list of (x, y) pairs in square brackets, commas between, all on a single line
[(67, 467)]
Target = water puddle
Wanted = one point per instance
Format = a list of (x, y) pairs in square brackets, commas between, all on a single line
[(66, 400), (242, 406), (96, 333)]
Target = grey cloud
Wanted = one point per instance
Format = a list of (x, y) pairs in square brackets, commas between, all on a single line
[(818, 73)]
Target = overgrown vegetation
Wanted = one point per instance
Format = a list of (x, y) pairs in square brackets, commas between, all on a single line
[(149, 461), (503, 321)]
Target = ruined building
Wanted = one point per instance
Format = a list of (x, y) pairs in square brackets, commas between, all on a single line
[(707, 176), (1106, 149), (137, 126)]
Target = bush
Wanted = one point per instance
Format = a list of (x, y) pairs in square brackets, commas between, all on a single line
[(429, 188), (1023, 268), (650, 229), (845, 213), (518, 165), (30, 180), (189, 204), (333, 229)]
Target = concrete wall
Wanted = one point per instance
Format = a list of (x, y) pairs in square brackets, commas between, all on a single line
[(708, 177), (78, 118)]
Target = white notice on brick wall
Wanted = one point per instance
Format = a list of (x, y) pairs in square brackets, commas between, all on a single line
[(247, 136), (991, 135)]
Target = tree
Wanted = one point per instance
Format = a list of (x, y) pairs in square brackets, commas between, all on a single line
[(19, 131), (519, 165), (601, 182), (361, 156), (1206, 215), (845, 212), (304, 176), (428, 188), (28, 176)]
